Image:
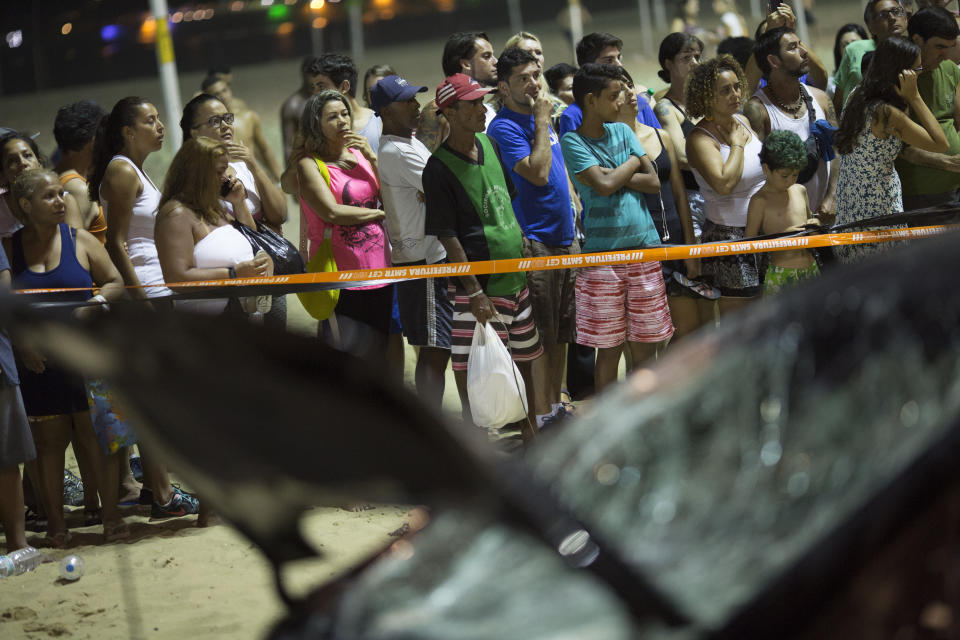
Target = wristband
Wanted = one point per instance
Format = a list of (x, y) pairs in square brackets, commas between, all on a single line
[(103, 302), (734, 146), (475, 293), (231, 272)]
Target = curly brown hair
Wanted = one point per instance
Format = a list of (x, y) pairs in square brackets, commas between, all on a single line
[(700, 92)]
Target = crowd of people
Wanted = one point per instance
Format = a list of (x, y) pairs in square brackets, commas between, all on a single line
[(507, 158)]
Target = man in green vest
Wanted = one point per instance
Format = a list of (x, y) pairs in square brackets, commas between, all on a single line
[(468, 196), (931, 179)]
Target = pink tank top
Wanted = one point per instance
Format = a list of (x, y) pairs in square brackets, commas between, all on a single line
[(362, 246)]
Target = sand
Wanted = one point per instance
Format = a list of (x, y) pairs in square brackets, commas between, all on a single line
[(172, 580)]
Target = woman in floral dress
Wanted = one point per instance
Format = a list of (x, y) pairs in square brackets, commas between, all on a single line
[(873, 129)]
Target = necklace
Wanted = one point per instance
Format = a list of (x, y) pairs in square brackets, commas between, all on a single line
[(793, 108)]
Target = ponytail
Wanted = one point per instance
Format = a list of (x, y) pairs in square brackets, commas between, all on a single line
[(109, 140)]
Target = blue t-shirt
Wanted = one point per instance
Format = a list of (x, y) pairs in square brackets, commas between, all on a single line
[(620, 220), (572, 117), (7, 364), (544, 213)]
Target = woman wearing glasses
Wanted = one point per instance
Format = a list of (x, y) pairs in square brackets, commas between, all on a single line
[(207, 116), (873, 129)]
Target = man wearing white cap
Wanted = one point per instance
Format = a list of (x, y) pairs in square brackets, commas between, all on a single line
[(469, 193)]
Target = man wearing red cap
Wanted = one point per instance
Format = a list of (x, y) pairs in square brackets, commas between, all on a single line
[(468, 193)]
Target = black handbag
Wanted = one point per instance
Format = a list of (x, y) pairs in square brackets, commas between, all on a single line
[(286, 258), (813, 147)]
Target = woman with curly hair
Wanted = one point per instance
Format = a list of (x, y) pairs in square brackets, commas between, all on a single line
[(723, 152), (873, 129)]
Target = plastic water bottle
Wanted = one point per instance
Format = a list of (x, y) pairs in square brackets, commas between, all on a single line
[(20, 561), (71, 567)]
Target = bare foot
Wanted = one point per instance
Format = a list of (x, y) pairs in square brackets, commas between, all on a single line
[(129, 492), (57, 540), (203, 515), (115, 530)]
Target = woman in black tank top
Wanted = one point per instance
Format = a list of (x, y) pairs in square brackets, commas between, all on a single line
[(671, 216)]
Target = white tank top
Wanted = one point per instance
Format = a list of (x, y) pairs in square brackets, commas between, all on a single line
[(224, 246), (731, 210), (140, 244), (817, 185), (245, 176)]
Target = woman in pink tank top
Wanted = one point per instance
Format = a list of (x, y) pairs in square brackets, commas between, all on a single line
[(347, 209)]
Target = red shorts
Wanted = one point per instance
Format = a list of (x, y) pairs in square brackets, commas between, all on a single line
[(622, 302)]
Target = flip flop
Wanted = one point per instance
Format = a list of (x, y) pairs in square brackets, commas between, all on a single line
[(700, 288)]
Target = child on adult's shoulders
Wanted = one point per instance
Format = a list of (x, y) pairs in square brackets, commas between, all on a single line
[(782, 205)]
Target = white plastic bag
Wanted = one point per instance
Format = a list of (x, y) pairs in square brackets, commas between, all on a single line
[(494, 386)]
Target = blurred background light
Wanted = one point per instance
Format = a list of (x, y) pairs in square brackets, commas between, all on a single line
[(14, 38), (110, 32)]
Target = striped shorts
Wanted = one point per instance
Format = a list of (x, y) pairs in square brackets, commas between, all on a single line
[(517, 331), (622, 302)]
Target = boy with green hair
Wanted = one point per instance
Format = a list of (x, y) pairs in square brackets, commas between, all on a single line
[(782, 205)]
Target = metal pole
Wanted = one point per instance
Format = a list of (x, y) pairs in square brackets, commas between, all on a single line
[(801, 14), (756, 11), (355, 11), (316, 40), (516, 18), (659, 15), (646, 27), (576, 24), (167, 66)]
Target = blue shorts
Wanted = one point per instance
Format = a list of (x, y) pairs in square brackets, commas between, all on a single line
[(426, 311)]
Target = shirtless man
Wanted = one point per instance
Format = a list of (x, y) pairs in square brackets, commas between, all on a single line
[(246, 125), (292, 107), (339, 72), (782, 205)]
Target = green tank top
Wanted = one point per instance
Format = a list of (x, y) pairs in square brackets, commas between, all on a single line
[(937, 90), (487, 189)]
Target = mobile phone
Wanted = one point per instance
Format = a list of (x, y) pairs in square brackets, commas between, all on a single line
[(773, 5), (225, 188)]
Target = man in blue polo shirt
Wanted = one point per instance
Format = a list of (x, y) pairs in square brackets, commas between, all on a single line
[(531, 151)]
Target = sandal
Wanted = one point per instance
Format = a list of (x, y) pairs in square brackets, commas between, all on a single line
[(699, 287), (35, 522)]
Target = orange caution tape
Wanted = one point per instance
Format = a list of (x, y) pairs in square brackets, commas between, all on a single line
[(629, 256)]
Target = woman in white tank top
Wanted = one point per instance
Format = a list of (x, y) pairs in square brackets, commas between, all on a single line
[(723, 152), (129, 198), (195, 237)]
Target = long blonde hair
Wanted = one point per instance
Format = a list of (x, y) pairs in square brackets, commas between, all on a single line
[(192, 178), (517, 37)]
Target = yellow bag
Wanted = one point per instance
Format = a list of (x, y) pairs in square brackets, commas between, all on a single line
[(320, 304)]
